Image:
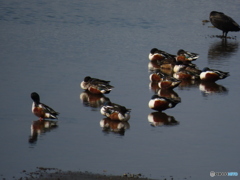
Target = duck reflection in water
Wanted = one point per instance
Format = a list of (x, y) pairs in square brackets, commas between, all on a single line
[(208, 88), (189, 83), (169, 93), (161, 119), (40, 127), (93, 100), (118, 127), (163, 81), (221, 51)]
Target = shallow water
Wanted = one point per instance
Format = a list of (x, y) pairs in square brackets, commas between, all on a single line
[(49, 47)]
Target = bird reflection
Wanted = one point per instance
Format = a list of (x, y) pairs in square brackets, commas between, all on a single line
[(93, 100), (208, 88), (168, 93), (154, 66), (40, 127), (161, 119), (189, 83), (222, 50), (117, 127)]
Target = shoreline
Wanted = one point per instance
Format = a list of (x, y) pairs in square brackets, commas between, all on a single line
[(43, 173)]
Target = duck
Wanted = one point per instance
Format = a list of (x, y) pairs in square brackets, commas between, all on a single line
[(42, 110), (96, 86), (156, 76), (186, 56), (223, 22), (168, 82), (115, 111), (188, 67), (156, 54), (212, 75), (184, 74), (160, 103), (167, 63)]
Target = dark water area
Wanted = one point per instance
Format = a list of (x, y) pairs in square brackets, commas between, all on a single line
[(49, 47)]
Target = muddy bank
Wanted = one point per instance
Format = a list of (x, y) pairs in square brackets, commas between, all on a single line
[(56, 174)]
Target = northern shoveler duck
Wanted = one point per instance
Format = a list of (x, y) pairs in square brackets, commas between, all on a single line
[(156, 54), (212, 74), (156, 76), (168, 82), (223, 22), (188, 67), (115, 111), (162, 103), (167, 63), (96, 86), (184, 74), (41, 110), (186, 56)]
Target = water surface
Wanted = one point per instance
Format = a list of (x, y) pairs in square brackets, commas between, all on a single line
[(49, 47)]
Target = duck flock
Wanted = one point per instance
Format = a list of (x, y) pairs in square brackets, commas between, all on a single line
[(167, 71)]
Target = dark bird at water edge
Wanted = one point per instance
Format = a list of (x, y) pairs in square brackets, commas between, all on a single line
[(223, 22)]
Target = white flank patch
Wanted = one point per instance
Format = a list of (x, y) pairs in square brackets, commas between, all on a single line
[(103, 111), (150, 77), (177, 68), (124, 117), (150, 56), (203, 74), (151, 103)]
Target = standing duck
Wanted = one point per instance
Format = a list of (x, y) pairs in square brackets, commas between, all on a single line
[(223, 22), (42, 110)]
